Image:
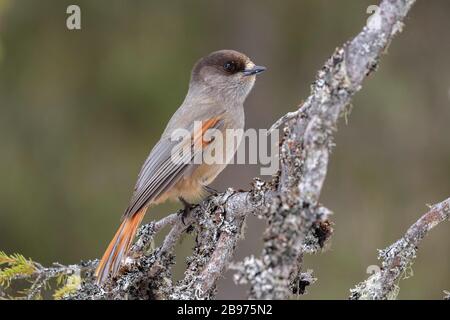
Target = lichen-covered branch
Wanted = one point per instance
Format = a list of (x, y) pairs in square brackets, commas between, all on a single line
[(217, 222), (446, 295), (306, 147), (16, 268), (398, 257)]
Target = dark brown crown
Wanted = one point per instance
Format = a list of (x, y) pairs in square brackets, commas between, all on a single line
[(223, 61)]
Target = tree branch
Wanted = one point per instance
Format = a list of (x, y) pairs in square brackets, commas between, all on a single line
[(398, 257), (306, 149)]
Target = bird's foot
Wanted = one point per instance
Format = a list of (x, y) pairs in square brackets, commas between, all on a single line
[(211, 190), (186, 210)]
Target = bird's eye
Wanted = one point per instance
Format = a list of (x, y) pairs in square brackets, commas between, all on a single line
[(230, 66)]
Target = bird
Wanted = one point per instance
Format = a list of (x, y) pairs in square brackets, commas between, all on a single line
[(219, 85)]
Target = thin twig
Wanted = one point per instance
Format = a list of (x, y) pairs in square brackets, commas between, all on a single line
[(398, 257)]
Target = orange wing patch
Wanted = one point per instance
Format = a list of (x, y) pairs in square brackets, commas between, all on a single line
[(206, 125)]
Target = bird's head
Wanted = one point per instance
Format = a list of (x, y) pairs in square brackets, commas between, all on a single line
[(226, 73)]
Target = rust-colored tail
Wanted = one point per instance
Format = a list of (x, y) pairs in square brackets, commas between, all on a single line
[(119, 246)]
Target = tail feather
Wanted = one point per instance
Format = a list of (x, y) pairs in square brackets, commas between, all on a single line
[(119, 246)]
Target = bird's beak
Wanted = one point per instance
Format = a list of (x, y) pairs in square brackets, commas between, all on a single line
[(254, 70)]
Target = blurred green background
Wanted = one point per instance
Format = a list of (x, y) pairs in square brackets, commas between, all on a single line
[(80, 110)]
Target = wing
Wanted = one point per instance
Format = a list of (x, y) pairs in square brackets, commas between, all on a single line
[(162, 169)]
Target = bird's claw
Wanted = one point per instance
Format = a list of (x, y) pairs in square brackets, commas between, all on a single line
[(186, 210), (211, 190)]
